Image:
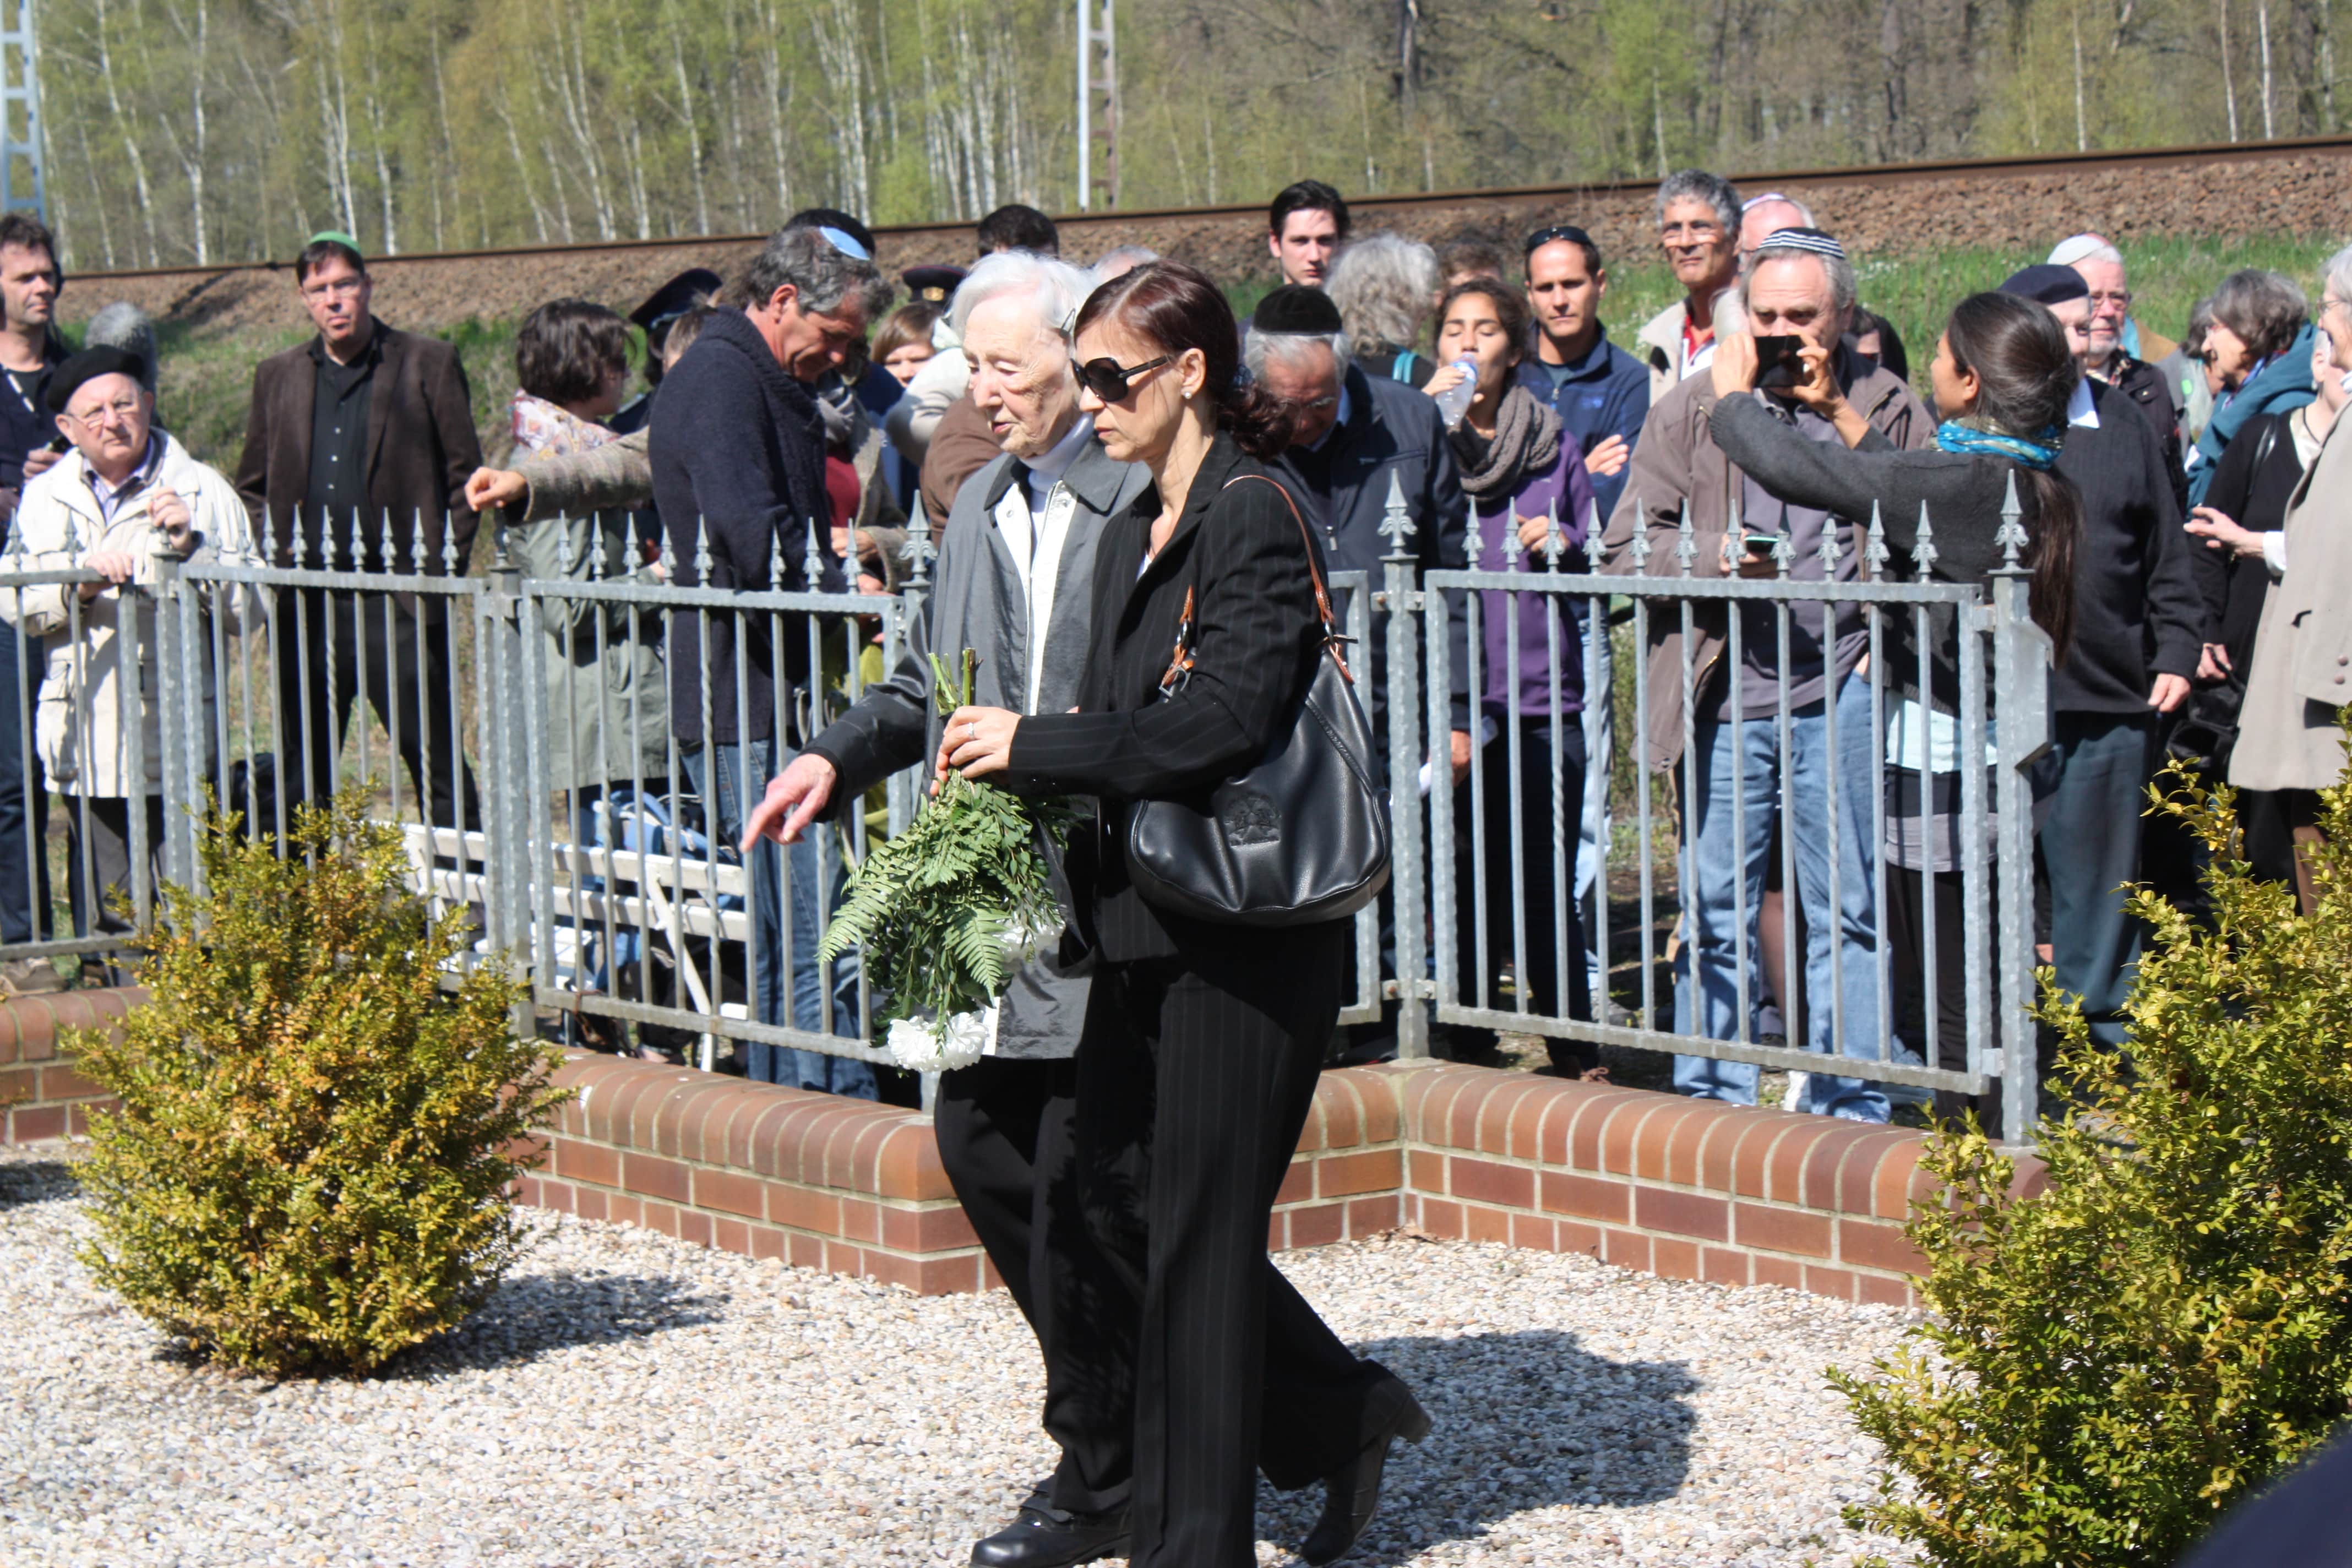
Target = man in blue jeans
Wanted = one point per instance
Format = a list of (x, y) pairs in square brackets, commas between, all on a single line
[(738, 454), (794, 890), (1800, 285)]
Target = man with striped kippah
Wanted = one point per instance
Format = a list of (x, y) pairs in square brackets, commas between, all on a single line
[(1798, 285)]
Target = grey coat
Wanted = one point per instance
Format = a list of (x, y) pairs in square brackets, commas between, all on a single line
[(976, 601)]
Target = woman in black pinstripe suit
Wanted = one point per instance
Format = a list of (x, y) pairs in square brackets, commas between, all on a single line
[(1202, 1042)]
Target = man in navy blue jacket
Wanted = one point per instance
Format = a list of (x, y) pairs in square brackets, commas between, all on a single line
[(738, 453), (1601, 395)]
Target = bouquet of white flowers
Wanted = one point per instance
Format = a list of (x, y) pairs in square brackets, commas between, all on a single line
[(949, 907)]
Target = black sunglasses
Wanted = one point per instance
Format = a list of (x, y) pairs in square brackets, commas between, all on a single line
[(1567, 231), (1109, 380)]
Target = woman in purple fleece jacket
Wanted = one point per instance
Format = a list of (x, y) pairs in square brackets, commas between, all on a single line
[(1519, 473)]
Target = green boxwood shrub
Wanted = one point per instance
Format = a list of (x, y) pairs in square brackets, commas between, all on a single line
[(308, 1169), (2113, 1362)]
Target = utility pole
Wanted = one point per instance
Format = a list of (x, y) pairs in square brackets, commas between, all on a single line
[(20, 111), (1097, 89)]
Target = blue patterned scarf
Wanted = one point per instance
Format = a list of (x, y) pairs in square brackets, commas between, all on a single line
[(2040, 452)]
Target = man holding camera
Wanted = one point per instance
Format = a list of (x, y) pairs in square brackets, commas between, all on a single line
[(1799, 297)]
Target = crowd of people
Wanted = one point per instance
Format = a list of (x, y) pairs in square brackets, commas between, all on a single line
[(1111, 466)]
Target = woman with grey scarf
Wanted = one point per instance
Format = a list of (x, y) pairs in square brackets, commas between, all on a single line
[(1530, 507)]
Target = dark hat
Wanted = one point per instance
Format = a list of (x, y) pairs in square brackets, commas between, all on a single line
[(932, 283), (1295, 307), (2046, 284), (88, 365), (676, 298)]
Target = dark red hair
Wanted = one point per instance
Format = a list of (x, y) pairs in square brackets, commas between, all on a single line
[(1175, 307)]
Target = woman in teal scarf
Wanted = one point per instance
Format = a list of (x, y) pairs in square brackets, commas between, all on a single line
[(2260, 344)]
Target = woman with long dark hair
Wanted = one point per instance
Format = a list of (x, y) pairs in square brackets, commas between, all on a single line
[(1202, 1042), (2003, 374)]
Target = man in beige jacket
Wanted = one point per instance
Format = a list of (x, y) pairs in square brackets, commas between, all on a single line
[(127, 496)]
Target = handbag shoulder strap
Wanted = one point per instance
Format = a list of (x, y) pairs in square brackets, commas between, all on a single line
[(1180, 664)]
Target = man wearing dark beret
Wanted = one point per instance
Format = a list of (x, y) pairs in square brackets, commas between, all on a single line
[(124, 495), (2138, 630), (663, 307)]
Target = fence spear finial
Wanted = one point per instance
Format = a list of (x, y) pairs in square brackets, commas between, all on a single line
[(1873, 546), (1686, 542), (1638, 545), (1554, 541), (812, 559), (1396, 523), (918, 551), (1592, 531), (1923, 551), (2011, 536)]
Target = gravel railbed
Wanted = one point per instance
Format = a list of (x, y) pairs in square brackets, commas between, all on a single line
[(628, 1399)]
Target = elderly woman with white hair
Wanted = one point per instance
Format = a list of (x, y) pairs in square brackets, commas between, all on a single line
[(2288, 733), (1386, 286)]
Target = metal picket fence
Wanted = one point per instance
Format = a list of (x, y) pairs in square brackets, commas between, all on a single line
[(529, 713)]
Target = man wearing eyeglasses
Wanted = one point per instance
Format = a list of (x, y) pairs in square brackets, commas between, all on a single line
[(1698, 230), (360, 428), (2106, 347), (124, 495)]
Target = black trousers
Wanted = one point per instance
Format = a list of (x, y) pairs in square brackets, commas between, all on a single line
[(403, 661), (97, 895), (1905, 925), (999, 1123), (1518, 878), (1194, 1078)]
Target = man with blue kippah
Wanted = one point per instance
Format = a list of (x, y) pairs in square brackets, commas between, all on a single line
[(2138, 626)]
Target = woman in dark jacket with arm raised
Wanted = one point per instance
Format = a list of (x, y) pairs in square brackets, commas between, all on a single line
[(2003, 374), (1202, 1042)]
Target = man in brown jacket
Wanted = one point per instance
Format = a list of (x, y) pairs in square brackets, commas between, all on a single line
[(1799, 285), (360, 424)]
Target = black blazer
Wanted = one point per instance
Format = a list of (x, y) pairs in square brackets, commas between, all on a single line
[(1255, 639)]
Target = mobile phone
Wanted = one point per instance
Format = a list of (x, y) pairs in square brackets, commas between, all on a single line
[(1759, 544), (1780, 360), (58, 444)]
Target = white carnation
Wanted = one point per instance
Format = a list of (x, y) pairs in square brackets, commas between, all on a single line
[(922, 1044)]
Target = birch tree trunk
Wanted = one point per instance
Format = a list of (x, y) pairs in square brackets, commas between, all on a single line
[(130, 137), (2262, 21), (2229, 84)]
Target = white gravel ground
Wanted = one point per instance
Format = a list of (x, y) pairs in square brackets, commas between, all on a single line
[(631, 1400)]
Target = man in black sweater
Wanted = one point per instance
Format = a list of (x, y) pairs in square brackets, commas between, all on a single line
[(2137, 630), (737, 451)]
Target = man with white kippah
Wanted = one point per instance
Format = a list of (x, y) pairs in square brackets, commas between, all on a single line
[(1762, 216)]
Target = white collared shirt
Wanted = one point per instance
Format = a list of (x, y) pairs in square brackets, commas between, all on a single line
[(1035, 520), (2080, 407)]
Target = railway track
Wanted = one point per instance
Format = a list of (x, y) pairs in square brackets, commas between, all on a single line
[(1085, 233)]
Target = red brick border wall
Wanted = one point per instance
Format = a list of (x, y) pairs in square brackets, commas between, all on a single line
[(41, 1096), (1682, 1188)]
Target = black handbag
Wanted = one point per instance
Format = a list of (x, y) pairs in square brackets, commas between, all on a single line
[(1300, 838)]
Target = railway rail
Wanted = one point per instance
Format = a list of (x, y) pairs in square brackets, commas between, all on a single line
[(903, 242)]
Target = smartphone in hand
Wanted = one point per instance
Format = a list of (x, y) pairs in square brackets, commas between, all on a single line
[(1780, 360)]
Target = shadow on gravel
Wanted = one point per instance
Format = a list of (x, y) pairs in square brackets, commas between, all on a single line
[(1522, 1421), (35, 1182), (535, 1313)]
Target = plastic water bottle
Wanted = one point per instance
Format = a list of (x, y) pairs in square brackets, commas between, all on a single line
[(1454, 401)]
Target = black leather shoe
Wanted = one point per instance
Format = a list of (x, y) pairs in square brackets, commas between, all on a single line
[(1351, 1495), (1053, 1537)]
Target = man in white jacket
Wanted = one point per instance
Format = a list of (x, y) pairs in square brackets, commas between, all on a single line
[(126, 496)]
